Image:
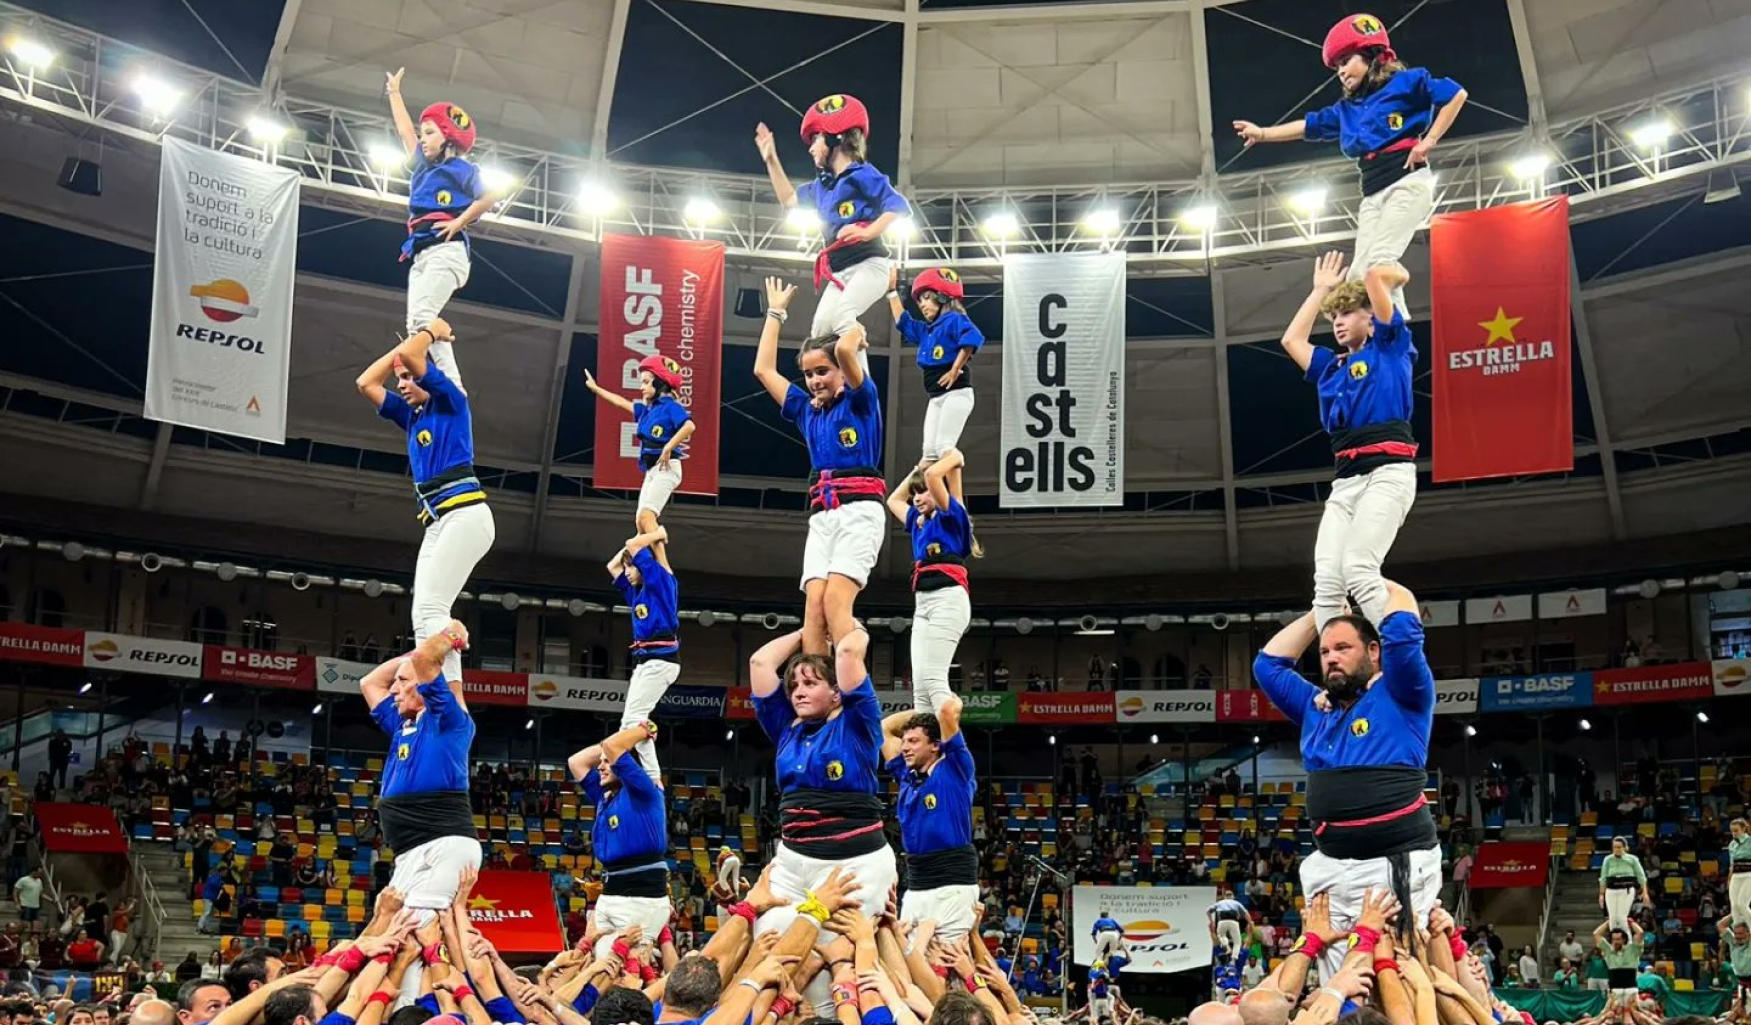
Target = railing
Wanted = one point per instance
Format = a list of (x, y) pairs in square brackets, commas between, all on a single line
[(152, 912), (349, 162), (1549, 911)]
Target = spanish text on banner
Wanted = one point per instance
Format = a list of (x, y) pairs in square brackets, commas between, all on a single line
[(660, 297), (1063, 420), (227, 255), (1499, 278), (1165, 927), (1456, 697), (576, 693)]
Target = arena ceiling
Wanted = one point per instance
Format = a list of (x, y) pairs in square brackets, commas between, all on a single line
[(1032, 105)]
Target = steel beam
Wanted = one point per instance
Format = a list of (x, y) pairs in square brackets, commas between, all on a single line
[(270, 76), (555, 398), (610, 74), (155, 469), (1535, 114), (1590, 375), (1224, 425)]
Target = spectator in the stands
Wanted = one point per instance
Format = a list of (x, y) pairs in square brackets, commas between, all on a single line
[(85, 953), (1529, 974), (1570, 949), (1566, 977), (214, 969), (28, 894)]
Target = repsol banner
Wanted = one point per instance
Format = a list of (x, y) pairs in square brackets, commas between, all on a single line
[(576, 693), (1164, 926), (1063, 419), (1166, 705), (221, 342), (1456, 697)]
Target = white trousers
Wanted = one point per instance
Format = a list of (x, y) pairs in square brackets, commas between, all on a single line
[(1619, 903), (950, 907), (427, 876), (650, 681), (1108, 942), (1361, 520), (438, 271), (939, 618), (1228, 934), (945, 417), (1739, 896), (838, 306), (659, 485), (453, 545), (1348, 880), (1388, 220), (846, 541), (615, 914), (793, 875), (729, 876), (1100, 1008)]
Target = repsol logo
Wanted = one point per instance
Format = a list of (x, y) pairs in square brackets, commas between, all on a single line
[(224, 340), (164, 658), (574, 694)]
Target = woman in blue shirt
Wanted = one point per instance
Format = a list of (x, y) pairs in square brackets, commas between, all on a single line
[(855, 202), (946, 340), (1388, 109), (1365, 401), (933, 508), (662, 426)]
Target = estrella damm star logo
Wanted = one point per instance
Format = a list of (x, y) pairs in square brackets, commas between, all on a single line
[(930, 802), (1367, 25), (847, 437), (1358, 370), (932, 549), (831, 104), (1395, 120), (948, 274), (847, 208), (641, 610), (444, 197), (1359, 728), (936, 352), (402, 752), (424, 438), (613, 822), (835, 770), (656, 430), (460, 116), (1501, 327)]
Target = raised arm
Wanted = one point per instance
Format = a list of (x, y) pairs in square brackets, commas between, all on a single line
[(374, 685), (370, 382), (943, 477), (405, 129), (428, 658), (413, 348), (893, 728), (1292, 641), (768, 148), (625, 740), (896, 308), (1252, 134), (766, 665), (1380, 281), (900, 499), (1328, 273), (849, 664), (845, 352), (614, 399), (778, 296), (949, 718)]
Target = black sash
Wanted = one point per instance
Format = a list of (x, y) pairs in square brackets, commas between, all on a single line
[(830, 825), (953, 866), (410, 820)]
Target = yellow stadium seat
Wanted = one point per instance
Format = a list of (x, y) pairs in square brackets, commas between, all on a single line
[(1672, 884), (334, 897), (356, 913), (320, 930), (1684, 985), (1048, 900), (312, 912), (1687, 857), (275, 927), (1030, 946), (356, 898), (711, 923)]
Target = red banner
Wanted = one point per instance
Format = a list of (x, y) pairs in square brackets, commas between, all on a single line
[(515, 911), (82, 828), (21, 642), (489, 687), (1501, 865), (739, 703), (258, 668), (1503, 397), (1685, 682), (660, 297), (1246, 706), (1067, 709)]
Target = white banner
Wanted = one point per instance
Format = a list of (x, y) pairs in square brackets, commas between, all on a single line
[(1164, 926), (1568, 604), (548, 691), (1455, 697), (340, 676), (1165, 705), (1440, 613), (222, 293), (1063, 380), (1512, 608), (120, 653), (1731, 675)]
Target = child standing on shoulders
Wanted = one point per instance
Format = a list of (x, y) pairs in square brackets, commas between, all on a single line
[(946, 340)]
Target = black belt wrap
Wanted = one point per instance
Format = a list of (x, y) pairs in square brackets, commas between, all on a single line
[(811, 820), (1361, 792), (649, 882), (952, 866), (410, 820), (1346, 438)]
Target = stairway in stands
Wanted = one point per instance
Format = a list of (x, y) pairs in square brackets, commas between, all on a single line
[(178, 935)]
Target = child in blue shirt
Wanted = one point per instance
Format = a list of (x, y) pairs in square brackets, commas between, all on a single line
[(662, 425), (946, 340), (1391, 116)]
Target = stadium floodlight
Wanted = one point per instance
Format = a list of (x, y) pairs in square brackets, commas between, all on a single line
[(1652, 134), (387, 155), (498, 180), (1199, 216), (802, 219), (156, 95), (904, 228), (1532, 165), (266, 130), (700, 210), (1103, 221), (1307, 200), (595, 198), (32, 53), (1002, 224)]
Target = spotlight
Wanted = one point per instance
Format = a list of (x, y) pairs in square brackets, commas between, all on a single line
[(157, 96), (31, 53), (1052, 739), (1585, 725), (317, 710), (373, 588), (1652, 134), (266, 130), (85, 688), (700, 210), (387, 155), (1471, 731), (1103, 221), (1199, 216), (729, 734), (1002, 224), (595, 198), (576, 607), (1255, 739), (497, 180), (1702, 717), (1307, 200), (1532, 165), (904, 228), (1155, 738), (802, 219), (529, 725), (208, 699)]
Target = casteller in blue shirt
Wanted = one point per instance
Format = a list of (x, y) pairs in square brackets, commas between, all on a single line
[(424, 794)]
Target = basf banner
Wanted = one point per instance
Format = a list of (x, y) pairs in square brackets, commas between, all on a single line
[(1535, 693), (221, 342), (1164, 926)]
